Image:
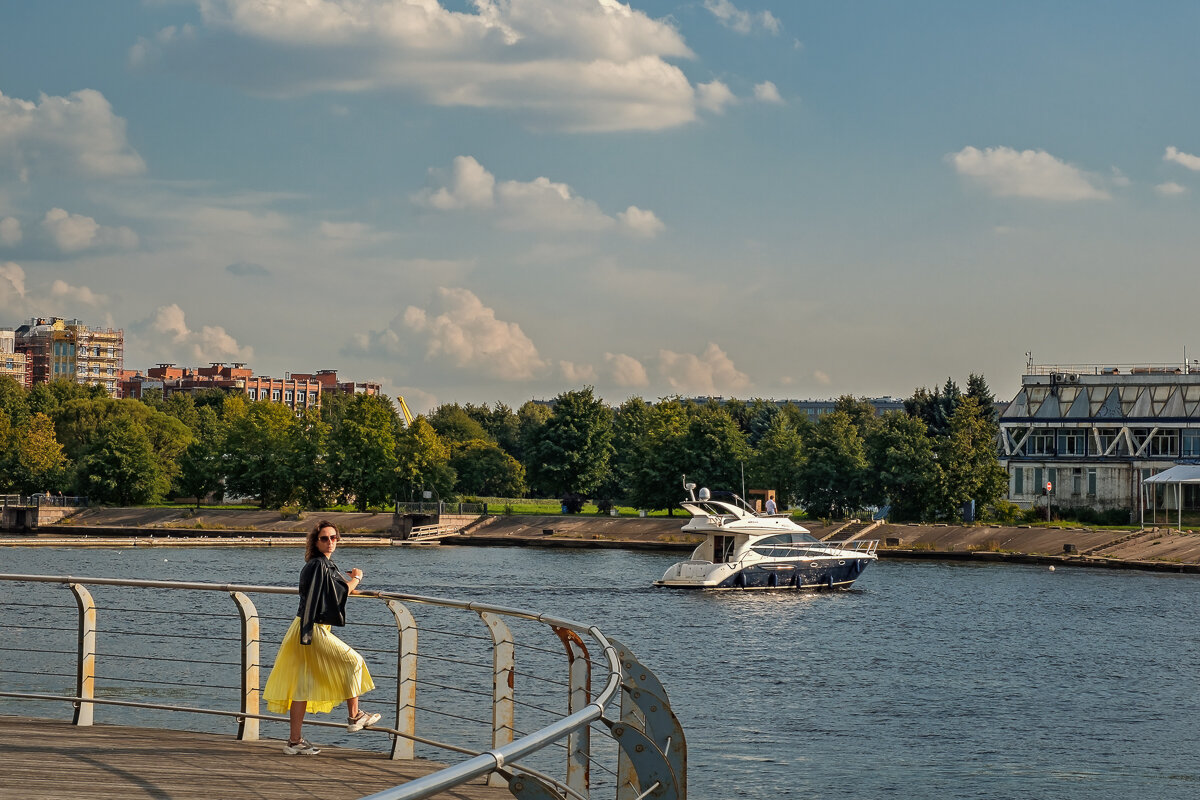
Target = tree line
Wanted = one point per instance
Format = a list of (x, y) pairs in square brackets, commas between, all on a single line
[(926, 462)]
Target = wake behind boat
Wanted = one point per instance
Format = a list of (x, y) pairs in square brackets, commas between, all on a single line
[(743, 549)]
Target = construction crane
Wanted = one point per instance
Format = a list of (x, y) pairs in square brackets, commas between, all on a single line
[(408, 417)]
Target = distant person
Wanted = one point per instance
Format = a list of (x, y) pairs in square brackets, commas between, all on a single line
[(770, 505), (315, 669)]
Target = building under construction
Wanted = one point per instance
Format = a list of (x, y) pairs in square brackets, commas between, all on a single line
[(57, 349)]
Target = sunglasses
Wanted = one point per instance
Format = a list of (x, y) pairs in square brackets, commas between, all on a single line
[(333, 538)]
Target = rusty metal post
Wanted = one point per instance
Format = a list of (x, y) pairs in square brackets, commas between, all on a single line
[(579, 742), (85, 657), (503, 682), (406, 681), (251, 633)]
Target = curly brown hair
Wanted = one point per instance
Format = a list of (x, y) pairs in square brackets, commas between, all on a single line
[(310, 542)]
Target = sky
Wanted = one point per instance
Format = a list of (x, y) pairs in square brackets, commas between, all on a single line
[(501, 200)]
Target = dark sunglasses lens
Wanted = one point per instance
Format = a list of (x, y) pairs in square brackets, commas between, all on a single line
[(329, 538)]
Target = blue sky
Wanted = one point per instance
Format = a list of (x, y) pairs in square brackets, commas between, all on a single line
[(504, 199)]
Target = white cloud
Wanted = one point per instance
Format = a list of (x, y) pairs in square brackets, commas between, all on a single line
[(741, 21), (470, 186), (181, 344), (170, 320), (12, 286), (1183, 159), (577, 65), (76, 134), (459, 327), (714, 96), (540, 204), (577, 373), (626, 371), (641, 223), (74, 232), (1170, 189), (1005, 172), (767, 92), (711, 373), (10, 231), (61, 290), (822, 377)]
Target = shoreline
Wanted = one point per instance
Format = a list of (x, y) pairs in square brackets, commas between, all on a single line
[(1152, 549)]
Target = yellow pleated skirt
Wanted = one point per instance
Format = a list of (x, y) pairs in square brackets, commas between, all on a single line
[(324, 673)]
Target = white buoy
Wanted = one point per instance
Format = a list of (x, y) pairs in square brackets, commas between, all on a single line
[(1051, 566)]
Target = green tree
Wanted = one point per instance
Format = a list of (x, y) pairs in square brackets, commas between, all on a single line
[(202, 465), (484, 469), (454, 424), (656, 461), (904, 471), (776, 462), (833, 474), (362, 451), (309, 459), (531, 420), (422, 462), (14, 400), (713, 449), (257, 447), (572, 453), (861, 412), (37, 462), (967, 455), (761, 415), (120, 467)]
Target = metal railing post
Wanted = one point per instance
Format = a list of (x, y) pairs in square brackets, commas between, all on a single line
[(503, 686), (406, 681), (85, 656), (251, 633), (579, 742)]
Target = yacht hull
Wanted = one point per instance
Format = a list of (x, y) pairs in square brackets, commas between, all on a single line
[(815, 575)]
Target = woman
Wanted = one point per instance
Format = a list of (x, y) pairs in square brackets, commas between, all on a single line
[(315, 669)]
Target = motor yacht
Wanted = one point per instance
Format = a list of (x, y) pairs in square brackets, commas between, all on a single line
[(744, 549)]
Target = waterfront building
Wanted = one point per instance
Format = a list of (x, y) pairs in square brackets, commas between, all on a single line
[(12, 363), (295, 392), (328, 378), (1094, 433), (57, 348)]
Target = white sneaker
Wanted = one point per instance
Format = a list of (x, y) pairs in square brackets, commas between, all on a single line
[(362, 720), (301, 748)]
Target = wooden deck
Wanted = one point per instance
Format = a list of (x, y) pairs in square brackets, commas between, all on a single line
[(54, 759)]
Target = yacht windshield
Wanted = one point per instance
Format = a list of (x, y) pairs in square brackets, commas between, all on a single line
[(784, 545)]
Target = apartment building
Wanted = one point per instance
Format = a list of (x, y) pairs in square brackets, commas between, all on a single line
[(1094, 433), (294, 392), (57, 348), (12, 363), (328, 378)]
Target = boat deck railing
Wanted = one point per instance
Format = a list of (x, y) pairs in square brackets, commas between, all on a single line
[(821, 549), (549, 707)]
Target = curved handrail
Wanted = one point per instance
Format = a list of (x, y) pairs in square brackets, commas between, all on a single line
[(481, 763)]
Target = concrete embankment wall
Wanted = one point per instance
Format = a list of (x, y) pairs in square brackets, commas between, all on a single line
[(1159, 549)]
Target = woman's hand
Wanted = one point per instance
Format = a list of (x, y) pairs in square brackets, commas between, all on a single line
[(353, 578)]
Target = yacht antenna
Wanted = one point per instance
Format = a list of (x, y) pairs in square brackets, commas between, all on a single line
[(742, 464)]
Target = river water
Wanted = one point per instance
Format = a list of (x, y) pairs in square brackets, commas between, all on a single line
[(929, 679)]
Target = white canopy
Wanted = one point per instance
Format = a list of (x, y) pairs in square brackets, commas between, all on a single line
[(1180, 473), (1175, 476)]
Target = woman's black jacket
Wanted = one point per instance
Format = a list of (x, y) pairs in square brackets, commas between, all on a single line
[(323, 593)]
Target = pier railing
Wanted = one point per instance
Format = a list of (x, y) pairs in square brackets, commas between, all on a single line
[(549, 707)]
